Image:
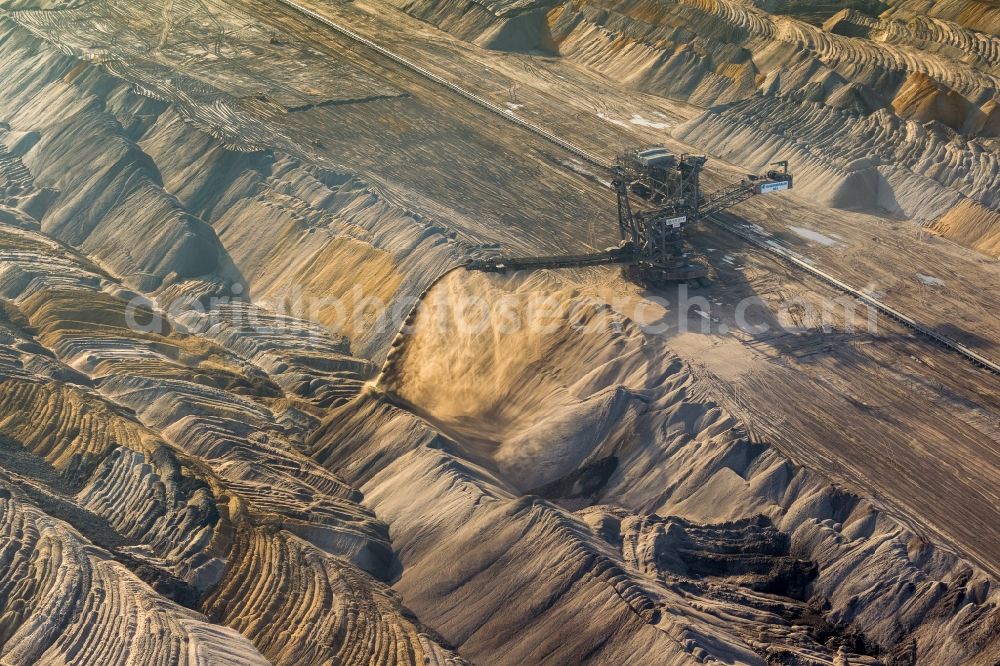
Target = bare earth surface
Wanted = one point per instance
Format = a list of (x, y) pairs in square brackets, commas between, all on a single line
[(204, 460)]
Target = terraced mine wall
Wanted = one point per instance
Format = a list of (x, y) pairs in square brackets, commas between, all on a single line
[(239, 484), (167, 487)]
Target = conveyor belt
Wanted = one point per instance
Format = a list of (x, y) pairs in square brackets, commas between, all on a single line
[(503, 264)]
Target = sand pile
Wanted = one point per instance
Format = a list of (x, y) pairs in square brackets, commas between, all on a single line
[(639, 436), (971, 224), (922, 100), (981, 15), (505, 26)]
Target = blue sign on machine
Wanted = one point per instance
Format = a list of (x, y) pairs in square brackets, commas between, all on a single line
[(773, 187)]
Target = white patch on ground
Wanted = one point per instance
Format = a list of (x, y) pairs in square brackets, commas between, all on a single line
[(930, 280), (614, 121), (578, 167), (514, 107), (639, 120), (813, 236)]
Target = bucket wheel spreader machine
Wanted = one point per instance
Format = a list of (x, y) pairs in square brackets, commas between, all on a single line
[(659, 197)]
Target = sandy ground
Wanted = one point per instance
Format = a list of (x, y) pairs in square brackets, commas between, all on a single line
[(528, 497), (883, 256)]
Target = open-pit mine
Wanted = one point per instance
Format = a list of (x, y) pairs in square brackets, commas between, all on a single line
[(499, 332)]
